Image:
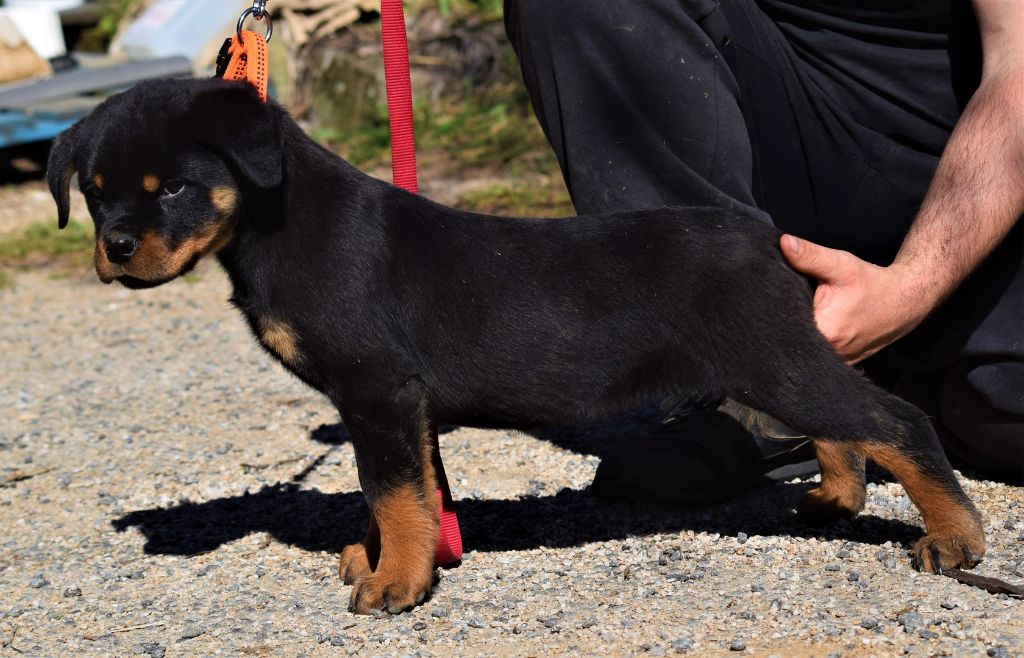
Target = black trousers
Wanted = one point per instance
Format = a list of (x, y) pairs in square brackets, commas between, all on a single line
[(827, 123)]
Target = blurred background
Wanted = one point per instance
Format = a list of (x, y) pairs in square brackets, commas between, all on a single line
[(479, 146)]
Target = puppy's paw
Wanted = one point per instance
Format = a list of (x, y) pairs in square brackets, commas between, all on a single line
[(354, 564), (379, 592), (936, 553), (818, 507)]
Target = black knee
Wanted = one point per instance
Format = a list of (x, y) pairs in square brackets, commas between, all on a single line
[(983, 407)]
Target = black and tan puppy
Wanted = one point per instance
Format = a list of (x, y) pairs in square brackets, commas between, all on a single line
[(407, 314)]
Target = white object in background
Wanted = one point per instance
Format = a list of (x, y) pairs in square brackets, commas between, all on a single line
[(56, 5), (180, 27), (39, 25)]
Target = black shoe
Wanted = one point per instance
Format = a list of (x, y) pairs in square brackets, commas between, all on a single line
[(701, 458)]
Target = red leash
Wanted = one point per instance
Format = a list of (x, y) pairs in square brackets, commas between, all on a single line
[(403, 168)]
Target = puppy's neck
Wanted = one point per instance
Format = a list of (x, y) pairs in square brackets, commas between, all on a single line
[(323, 221)]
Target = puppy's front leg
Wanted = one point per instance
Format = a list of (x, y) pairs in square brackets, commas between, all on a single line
[(393, 568)]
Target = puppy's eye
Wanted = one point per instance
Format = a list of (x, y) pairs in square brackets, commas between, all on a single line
[(172, 187)]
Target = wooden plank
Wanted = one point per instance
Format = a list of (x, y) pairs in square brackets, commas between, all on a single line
[(85, 81)]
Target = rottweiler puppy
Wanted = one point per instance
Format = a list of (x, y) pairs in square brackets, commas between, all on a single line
[(406, 313)]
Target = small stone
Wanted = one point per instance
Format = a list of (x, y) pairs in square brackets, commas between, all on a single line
[(321, 638), (910, 620), (997, 652), (928, 635), (682, 645), (439, 612), (191, 632), (948, 605), (853, 576), (868, 622), (737, 645), (588, 622), (150, 648), (72, 592), (835, 654), (742, 537), (37, 582), (337, 640), (833, 567), (419, 626)]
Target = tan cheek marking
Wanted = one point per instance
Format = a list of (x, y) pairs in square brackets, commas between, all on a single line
[(151, 260), (224, 199), (280, 339), (98, 181), (150, 183), (155, 259), (106, 270)]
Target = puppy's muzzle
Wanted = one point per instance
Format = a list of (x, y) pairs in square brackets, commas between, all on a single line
[(120, 247)]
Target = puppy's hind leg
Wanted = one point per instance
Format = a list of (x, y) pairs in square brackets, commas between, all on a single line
[(842, 492), (808, 387), (912, 453)]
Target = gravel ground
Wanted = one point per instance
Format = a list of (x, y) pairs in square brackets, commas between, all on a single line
[(166, 491)]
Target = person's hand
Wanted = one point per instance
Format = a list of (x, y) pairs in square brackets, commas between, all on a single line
[(859, 307)]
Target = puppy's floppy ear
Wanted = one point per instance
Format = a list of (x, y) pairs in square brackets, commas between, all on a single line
[(230, 118), (60, 169)]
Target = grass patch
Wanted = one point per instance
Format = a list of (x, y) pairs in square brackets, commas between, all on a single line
[(5, 280), (545, 198), (492, 128), (489, 9), (496, 127), (45, 240)]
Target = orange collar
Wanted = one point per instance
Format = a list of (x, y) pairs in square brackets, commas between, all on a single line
[(248, 61)]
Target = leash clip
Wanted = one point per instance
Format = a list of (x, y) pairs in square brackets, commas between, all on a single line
[(259, 12)]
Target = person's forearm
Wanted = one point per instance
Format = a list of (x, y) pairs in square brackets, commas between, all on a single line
[(976, 196)]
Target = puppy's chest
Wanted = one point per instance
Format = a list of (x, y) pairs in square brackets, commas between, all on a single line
[(280, 337), (279, 334), (303, 350)]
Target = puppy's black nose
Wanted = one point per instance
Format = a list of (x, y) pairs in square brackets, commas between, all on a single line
[(121, 248)]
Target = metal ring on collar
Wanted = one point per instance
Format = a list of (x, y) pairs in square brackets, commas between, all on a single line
[(254, 11)]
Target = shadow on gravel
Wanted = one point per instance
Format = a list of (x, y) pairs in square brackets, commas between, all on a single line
[(315, 521)]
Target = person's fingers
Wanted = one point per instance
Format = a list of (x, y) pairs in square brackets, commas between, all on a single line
[(814, 260)]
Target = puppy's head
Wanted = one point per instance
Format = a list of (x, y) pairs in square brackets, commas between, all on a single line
[(164, 168)]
